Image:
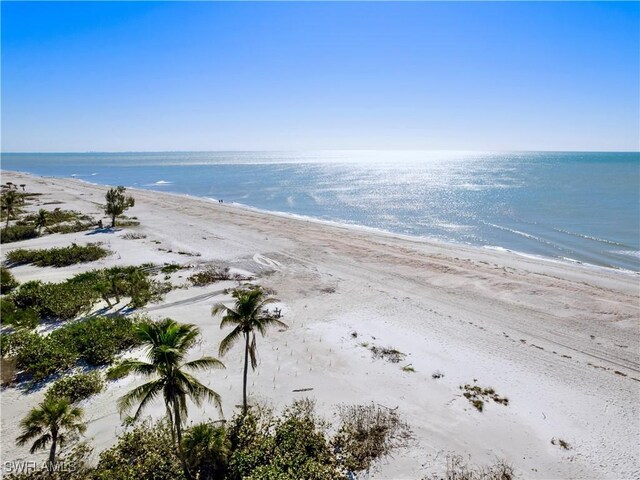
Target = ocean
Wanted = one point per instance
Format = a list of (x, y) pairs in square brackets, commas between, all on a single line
[(569, 206)]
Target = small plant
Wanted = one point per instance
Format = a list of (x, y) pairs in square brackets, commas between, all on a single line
[(477, 395), (76, 387), (117, 203), (210, 275), (368, 433), (459, 469), (437, 374), (408, 368), (134, 236), (170, 268), (561, 443), (387, 353)]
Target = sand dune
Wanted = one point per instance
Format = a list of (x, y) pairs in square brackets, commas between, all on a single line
[(560, 341)]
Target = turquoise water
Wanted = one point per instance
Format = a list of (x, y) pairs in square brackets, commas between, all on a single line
[(582, 207)]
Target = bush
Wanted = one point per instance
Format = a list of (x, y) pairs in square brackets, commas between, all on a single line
[(7, 281), (95, 341), (58, 257), (133, 282), (63, 301), (287, 448), (207, 450), (16, 233), (12, 315), (145, 453), (367, 433), (210, 275), (76, 387)]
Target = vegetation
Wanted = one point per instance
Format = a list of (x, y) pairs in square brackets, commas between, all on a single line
[(117, 203), (459, 469), (207, 449), (112, 283), (368, 433), (167, 343), (386, 353), (12, 315), (7, 281), (9, 204), (63, 301), (561, 443), (478, 395), (53, 421), (210, 275), (16, 233), (58, 257), (290, 447), (145, 453), (94, 341), (76, 387), (247, 316)]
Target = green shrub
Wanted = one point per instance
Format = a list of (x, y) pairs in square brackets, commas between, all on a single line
[(76, 387), (15, 233), (63, 301), (71, 227), (7, 281), (58, 257), (98, 340), (40, 356), (133, 282), (12, 315), (207, 450), (146, 453), (287, 448), (94, 341)]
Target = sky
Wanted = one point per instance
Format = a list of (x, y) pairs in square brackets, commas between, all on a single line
[(168, 76)]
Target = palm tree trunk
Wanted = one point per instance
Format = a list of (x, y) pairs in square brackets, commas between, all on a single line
[(52, 452), (246, 369), (178, 426)]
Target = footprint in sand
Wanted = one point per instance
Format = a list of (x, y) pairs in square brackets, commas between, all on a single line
[(267, 262)]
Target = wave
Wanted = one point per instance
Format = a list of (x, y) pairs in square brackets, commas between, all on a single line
[(590, 237)]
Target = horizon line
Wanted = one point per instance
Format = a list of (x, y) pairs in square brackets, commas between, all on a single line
[(311, 150)]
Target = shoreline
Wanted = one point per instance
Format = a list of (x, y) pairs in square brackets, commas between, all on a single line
[(560, 340), (358, 227)]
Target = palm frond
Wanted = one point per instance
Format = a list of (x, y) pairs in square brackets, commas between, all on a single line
[(253, 353), (199, 392), (29, 433), (204, 363), (228, 341), (130, 366), (143, 394), (40, 443)]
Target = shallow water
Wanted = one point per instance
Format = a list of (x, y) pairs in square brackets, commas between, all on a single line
[(582, 207)]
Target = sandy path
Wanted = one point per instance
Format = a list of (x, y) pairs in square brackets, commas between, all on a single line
[(561, 341)]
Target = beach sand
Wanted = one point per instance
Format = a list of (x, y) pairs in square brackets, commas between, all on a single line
[(561, 341)]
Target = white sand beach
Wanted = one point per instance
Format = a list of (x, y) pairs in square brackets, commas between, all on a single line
[(561, 341)]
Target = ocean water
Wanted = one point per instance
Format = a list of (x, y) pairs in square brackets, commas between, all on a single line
[(576, 207)]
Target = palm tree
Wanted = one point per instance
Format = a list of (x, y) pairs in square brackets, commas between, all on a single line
[(167, 344), (10, 202), (208, 449), (247, 316), (51, 421), (104, 290), (41, 219)]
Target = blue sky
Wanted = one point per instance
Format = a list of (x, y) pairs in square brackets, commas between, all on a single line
[(285, 76)]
